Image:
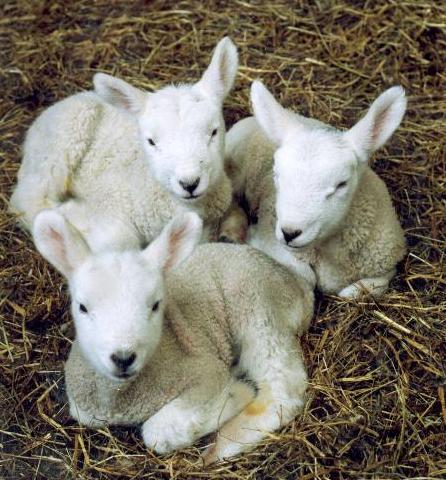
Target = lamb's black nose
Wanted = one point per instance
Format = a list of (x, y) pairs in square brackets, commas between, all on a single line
[(290, 235), (190, 185), (122, 359)]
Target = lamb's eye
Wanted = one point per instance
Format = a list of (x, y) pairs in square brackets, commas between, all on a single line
[(151, 142), (83, 308), (155, 306), (341, 185), (214, 132)]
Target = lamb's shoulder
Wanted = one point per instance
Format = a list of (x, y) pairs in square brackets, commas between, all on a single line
[(386, 244), (373, 236), (249, 161), (370, 242), (262, 292), (196, 308)]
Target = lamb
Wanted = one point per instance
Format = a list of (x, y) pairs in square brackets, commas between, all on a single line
[(119, 174), (321, 210), (181, 349)]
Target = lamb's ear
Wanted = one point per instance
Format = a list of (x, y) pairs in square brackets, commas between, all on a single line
[(175, 243), (58, 242), (379, 123), (219, 77), (271, 116), (119, 93)]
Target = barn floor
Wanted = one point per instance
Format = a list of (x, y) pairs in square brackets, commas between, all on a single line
[(376, 407)]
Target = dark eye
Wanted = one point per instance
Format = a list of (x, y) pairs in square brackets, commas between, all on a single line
[(156, 306), (341, 185), (214, 132), (151, 142), (83, 308)]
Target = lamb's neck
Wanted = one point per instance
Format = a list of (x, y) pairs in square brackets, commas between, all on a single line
[(154, 367), (215, 202)]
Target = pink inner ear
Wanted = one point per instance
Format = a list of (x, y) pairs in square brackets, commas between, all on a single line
[(121, 98), (58, 243), (378, 124), (174, 243)]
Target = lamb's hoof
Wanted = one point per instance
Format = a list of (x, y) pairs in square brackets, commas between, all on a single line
[(225, 239), (232, 236), (209, 456), (352, 292)]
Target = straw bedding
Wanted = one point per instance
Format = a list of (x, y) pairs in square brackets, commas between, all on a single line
[(376, 406)]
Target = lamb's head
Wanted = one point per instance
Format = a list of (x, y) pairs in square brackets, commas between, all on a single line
[(117, 298), (317, 168), (182, 127)]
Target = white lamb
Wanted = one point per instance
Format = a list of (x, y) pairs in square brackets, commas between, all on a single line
[(119, 174), (321, 210), (182, 350)]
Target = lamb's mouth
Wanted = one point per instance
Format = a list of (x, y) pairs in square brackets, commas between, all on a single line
[(123, 376), (298, 247), (193, 197)]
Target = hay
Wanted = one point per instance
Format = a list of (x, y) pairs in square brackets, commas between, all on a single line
[(377, 406)]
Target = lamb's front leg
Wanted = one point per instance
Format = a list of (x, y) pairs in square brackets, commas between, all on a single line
[(234, 226), (375, 286), (196, 413), (84, 417)]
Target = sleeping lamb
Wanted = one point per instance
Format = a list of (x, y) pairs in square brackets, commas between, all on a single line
[(321, 210)]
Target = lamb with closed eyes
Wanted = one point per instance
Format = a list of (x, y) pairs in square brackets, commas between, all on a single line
[(321, 209)]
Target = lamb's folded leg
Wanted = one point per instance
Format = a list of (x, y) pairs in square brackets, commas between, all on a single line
[(197, 412), (280, 375), (375, 286), (234, 226), (83, 417)]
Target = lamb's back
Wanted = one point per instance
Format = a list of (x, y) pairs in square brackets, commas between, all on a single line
[(224, 287), (84, 156)]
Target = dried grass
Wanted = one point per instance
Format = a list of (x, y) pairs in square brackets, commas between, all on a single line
[(377, 405)]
